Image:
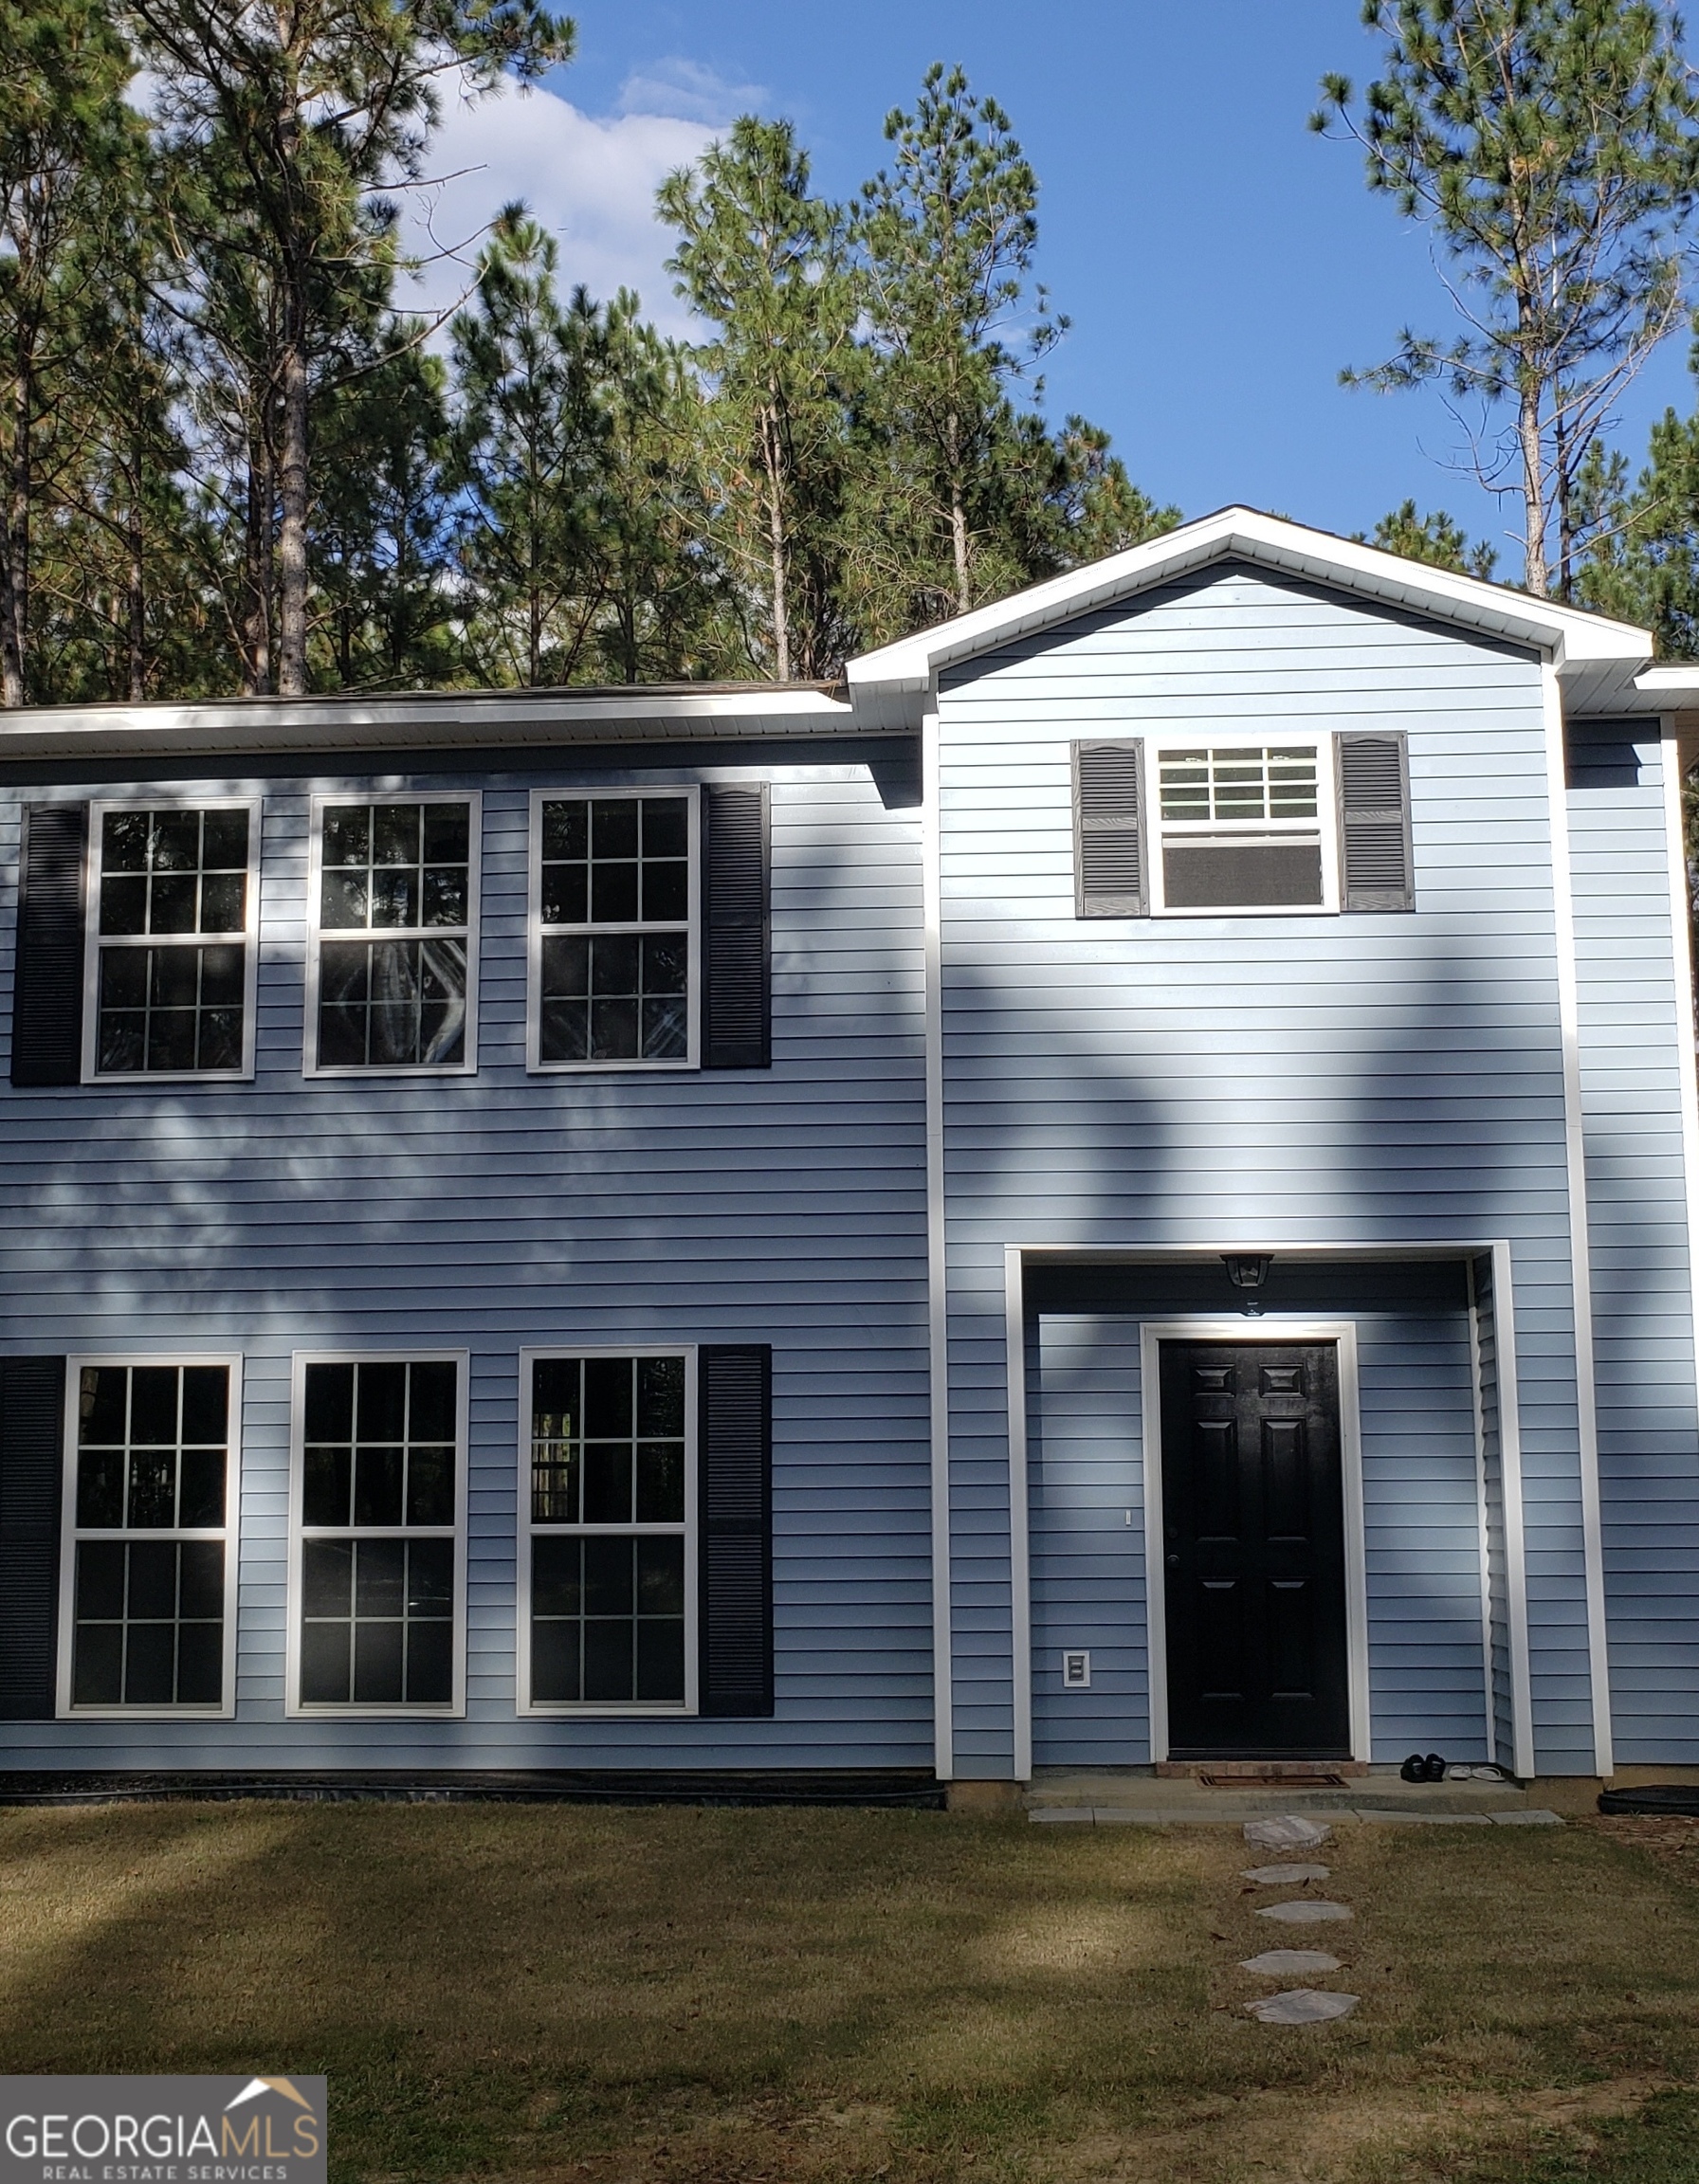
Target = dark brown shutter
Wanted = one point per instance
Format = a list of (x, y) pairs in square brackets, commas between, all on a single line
[(46, 1006), (737, 1001), (734, 1514), (32, 1462), (1377, 871), (1108, 830)]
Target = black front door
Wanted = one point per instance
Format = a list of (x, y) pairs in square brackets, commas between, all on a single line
[(1254, 1551)]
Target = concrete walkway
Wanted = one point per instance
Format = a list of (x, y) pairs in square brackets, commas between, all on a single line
[(1125, 1796)]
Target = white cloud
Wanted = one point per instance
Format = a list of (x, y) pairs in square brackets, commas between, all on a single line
[(590, 181), (690, 90)]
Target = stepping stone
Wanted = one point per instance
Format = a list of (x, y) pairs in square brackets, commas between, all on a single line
[(1531, 1819), (1279, 1876), (1289, 1831), (1303, 1911), (1289, 1963), (1302, 2006)]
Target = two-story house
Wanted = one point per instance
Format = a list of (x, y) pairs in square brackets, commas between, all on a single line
[(1121, 1186)]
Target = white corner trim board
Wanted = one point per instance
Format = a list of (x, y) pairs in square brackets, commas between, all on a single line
[(1020, 1572), (1516, 1561), (1581, 1257), (937, 1303), (1686, 1061)]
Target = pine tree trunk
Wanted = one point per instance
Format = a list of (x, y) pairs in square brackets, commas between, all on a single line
[(256, 624), (14, 554), (292, 515), (1533, 492), (772, 460), (137, 602), (964, 591)]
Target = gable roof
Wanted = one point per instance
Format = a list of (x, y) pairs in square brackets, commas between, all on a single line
[(1589, 651)]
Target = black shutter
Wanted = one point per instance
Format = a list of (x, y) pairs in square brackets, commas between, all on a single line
[(1377, 870), (736, 1000), (31, 1469), (46, 1006), (1108, 830), (735, 1512)]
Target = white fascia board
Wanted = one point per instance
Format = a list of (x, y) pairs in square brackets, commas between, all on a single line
[(417, 721), (886, 684)]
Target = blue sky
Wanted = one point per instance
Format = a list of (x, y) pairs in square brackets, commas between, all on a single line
[(1220, 263)]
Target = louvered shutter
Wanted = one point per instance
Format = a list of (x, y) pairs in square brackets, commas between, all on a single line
[(1108, 830), (735, 1516), (1377, 868), (736, 1013), (46, 1008), (31, 1456)]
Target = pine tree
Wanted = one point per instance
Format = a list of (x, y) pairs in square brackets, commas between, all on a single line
[(947, 236), (66, 143), (1552, 149), (1434, 538), (765, 263), (281, 125)]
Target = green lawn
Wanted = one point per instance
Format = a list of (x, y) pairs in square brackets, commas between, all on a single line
[(714, 1997)]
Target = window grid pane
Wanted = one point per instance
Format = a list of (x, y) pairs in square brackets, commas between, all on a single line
[(608, 1517), (152, 1464), (378, 1510), (402, 874), (1227, 785), (169, 999), (613, 904)]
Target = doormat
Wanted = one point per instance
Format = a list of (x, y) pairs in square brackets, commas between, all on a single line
[(1275, 1778)]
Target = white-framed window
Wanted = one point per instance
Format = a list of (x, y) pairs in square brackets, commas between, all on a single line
[(392, 957), (615, 979), (147, 1586), (606, 1496), (1243, 823), (378, 1533), (170, 947)]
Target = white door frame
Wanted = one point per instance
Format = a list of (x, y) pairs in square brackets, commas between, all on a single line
[(1275, 1328)]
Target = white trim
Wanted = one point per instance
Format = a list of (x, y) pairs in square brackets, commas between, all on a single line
[(1687, 1062), (1274, 1328), (229, 1533), (1020, 1563), (1506, 1374), (937, 1303), (323, 1711), (1323, 829), (889, 683), (94, 940), (1482, 1513), (600, 1710), (322, 799), (691, 1059), (1586, 1402)]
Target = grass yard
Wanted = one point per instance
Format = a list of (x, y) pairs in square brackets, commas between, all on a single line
[(778, 1997)]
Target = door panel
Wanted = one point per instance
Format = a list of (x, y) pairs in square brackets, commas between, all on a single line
[(1254, 1551)]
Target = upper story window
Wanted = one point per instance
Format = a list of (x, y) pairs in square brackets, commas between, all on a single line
[(148, 1594), (394, 970), (613, 956), (1245, 826), (170, 955)]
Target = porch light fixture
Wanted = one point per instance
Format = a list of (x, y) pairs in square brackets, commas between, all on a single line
[(1248, 1271)]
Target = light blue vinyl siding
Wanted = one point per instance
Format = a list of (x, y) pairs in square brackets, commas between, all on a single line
[(1362, 1077), (1636, 1195), (502, 1210)]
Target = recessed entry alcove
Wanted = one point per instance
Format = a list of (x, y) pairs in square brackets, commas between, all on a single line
[(1273, 1519)]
